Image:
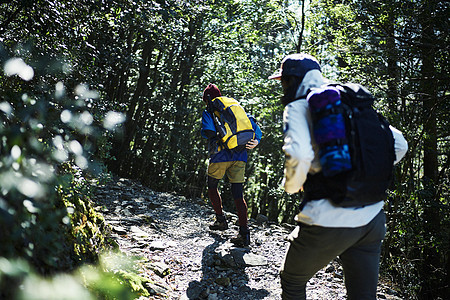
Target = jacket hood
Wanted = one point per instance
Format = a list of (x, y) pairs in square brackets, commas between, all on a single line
[(312, 79)]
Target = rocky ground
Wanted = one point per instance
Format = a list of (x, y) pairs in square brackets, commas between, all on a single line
[(183, 259)]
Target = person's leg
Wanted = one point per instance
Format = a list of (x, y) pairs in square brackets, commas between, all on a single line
[(307, 253), (235, 174), (214, 196), (241, 205), (243, 238), (361, 261), (215, 172), (311, 248)]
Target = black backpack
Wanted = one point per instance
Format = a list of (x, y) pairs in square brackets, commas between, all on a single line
[(371, 152)]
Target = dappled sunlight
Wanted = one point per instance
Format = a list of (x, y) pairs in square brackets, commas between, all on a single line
[(112, 119), (16, 66)]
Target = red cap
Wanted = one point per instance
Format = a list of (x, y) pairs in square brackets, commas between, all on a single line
[(211, 92)]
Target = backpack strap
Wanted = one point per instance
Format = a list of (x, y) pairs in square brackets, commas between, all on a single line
[(354, 95)]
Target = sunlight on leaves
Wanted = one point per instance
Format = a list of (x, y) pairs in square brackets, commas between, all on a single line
[(16, 66), (58, 142), (112, 119), (60, 155), (86, 118), (58, 287), (6, 108), (43, 171), (59, 90), (30, 188), (82, 90), (59, 152), (76, 147), (30, 206), (15, 152), (13, 268), (105, 279), (8, 180), (66, 116), (82, 162)]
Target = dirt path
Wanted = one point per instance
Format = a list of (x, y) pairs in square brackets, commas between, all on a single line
[(183, 259)]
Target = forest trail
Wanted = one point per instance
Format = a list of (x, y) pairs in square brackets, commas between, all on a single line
[(183, 259)]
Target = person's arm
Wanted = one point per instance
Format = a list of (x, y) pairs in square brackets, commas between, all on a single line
[(208, 130), (258, 134), (400, 145), (297, 146), (257, 129)]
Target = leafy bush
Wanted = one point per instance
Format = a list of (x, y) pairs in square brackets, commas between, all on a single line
[(48, 138), (100, 281)]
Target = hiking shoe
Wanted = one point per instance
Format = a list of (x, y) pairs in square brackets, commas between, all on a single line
[(219, 225), (241, 240)]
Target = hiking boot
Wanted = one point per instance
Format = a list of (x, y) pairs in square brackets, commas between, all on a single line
[(219, 224), (241, 240)]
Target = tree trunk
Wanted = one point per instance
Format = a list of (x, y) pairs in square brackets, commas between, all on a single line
[(430, 203), (302, 29)]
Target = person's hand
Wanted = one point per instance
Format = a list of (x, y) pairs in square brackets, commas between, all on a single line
[(252, 144)]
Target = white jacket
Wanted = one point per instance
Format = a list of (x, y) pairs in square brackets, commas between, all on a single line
[(302, 158)]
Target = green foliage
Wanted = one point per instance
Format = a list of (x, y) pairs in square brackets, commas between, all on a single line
[(87, 227), (48, 142), (135, 282), (113, 277)]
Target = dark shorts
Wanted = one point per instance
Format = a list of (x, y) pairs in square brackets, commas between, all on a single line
[(235, 170)]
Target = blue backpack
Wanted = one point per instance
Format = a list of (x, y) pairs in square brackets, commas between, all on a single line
[(356, 147)]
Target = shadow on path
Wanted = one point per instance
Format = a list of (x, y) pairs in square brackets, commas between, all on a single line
[(223, 275)]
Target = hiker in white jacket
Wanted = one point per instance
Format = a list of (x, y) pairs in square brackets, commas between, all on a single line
[(325, 230)]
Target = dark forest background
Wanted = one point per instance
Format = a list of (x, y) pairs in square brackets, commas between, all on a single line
[(96, 87)]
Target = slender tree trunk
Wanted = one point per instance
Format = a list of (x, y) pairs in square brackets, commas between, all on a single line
[(393, 70), (302, 29), (428, 88), (429, 94)]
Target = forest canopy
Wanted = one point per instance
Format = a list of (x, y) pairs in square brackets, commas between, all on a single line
[(116, 86)]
